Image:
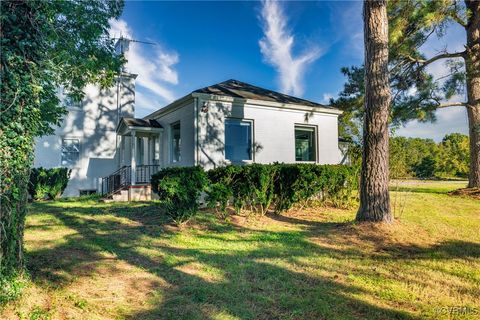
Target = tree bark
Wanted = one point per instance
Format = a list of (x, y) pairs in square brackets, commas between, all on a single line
[(472, 63), (374, 195)]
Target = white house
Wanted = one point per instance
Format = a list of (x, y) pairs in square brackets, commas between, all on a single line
[(229, 122)]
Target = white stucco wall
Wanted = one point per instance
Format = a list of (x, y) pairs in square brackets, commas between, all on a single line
[(273, 132), (93, 123), (185, 115)]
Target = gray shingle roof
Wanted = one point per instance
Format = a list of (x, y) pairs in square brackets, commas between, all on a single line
[(136, 122), (238, 89)]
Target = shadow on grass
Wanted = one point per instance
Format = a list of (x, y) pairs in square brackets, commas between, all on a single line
[(254, 283), (416, 189)]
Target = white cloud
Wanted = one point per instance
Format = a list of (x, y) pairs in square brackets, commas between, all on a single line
[(449, 120), (146, 101), (326, 98), (277, 45), (153, 64)]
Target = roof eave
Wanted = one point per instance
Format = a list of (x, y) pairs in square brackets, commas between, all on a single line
[(325, 109)]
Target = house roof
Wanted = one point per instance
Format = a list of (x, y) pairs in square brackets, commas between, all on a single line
[(247, 92), (127, 124), (238, 89), (136, 122)]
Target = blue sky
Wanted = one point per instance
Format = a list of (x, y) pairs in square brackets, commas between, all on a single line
[(294, 47)]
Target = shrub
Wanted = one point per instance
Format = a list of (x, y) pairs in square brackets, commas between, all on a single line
[(335, 185), (256, 187), (179, 189), (251, 185), (48, 183), (283, 185)]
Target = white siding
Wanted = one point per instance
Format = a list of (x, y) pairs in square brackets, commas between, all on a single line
[(93, 123), (185, 115), (273, 133)]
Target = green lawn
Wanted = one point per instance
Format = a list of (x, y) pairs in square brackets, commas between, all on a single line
[(113, 261)]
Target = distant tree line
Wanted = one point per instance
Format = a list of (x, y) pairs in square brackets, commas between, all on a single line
[(425, 158)]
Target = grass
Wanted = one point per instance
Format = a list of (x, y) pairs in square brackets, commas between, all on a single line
[(93, 260)]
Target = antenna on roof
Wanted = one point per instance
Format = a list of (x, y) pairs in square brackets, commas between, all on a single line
[(123, 44), (121, 48)]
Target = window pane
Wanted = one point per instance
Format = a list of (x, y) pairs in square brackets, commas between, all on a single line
[(140, 151), (176, 142), (238, 140), (305, 144), (70, 151)]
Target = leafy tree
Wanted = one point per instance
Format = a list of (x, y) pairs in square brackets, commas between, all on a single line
[(423, 158), (426, 167), (407, 153), (374, 195), (453, 156), (45, 45)]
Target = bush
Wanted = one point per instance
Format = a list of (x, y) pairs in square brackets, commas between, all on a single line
[(251, 185), (48, 183), (258, 186), (179, 189)]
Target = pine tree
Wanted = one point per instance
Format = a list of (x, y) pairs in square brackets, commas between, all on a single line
[(374, 195)]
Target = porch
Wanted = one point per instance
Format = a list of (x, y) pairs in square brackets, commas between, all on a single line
[(138, 158)]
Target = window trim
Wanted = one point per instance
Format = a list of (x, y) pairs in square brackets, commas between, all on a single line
[(315, 144), (171, 143), (77, 163), (252, 143)]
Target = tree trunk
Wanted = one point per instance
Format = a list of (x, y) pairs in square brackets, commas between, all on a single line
[(374, 196), (472, 62)]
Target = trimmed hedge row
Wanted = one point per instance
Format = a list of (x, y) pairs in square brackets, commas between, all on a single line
[(180, 188), (256, 187), (48, 183)]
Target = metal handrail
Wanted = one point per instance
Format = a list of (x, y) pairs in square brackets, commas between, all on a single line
[(122, 178)]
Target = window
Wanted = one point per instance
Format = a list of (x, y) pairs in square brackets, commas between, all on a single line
[(238, 140), (175, 141), (140, 151), (70, 152), (305, 143)]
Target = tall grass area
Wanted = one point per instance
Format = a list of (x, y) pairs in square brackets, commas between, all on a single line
[(92, 260)]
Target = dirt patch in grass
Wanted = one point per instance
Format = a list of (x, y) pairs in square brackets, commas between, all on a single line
[(467, 192)]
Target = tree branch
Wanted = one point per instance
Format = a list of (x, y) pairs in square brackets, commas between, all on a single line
[(446, 55), (451, 104)]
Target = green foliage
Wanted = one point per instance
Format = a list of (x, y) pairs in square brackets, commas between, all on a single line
[(423, 158), (45, 45), (426, 167), (256, 187), (251, 185), (453, 157), (48, 183), (407, 153), (259, 186), (179, 189), (11, 287)]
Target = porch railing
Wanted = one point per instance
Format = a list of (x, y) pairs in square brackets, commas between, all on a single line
[(122, 178)]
